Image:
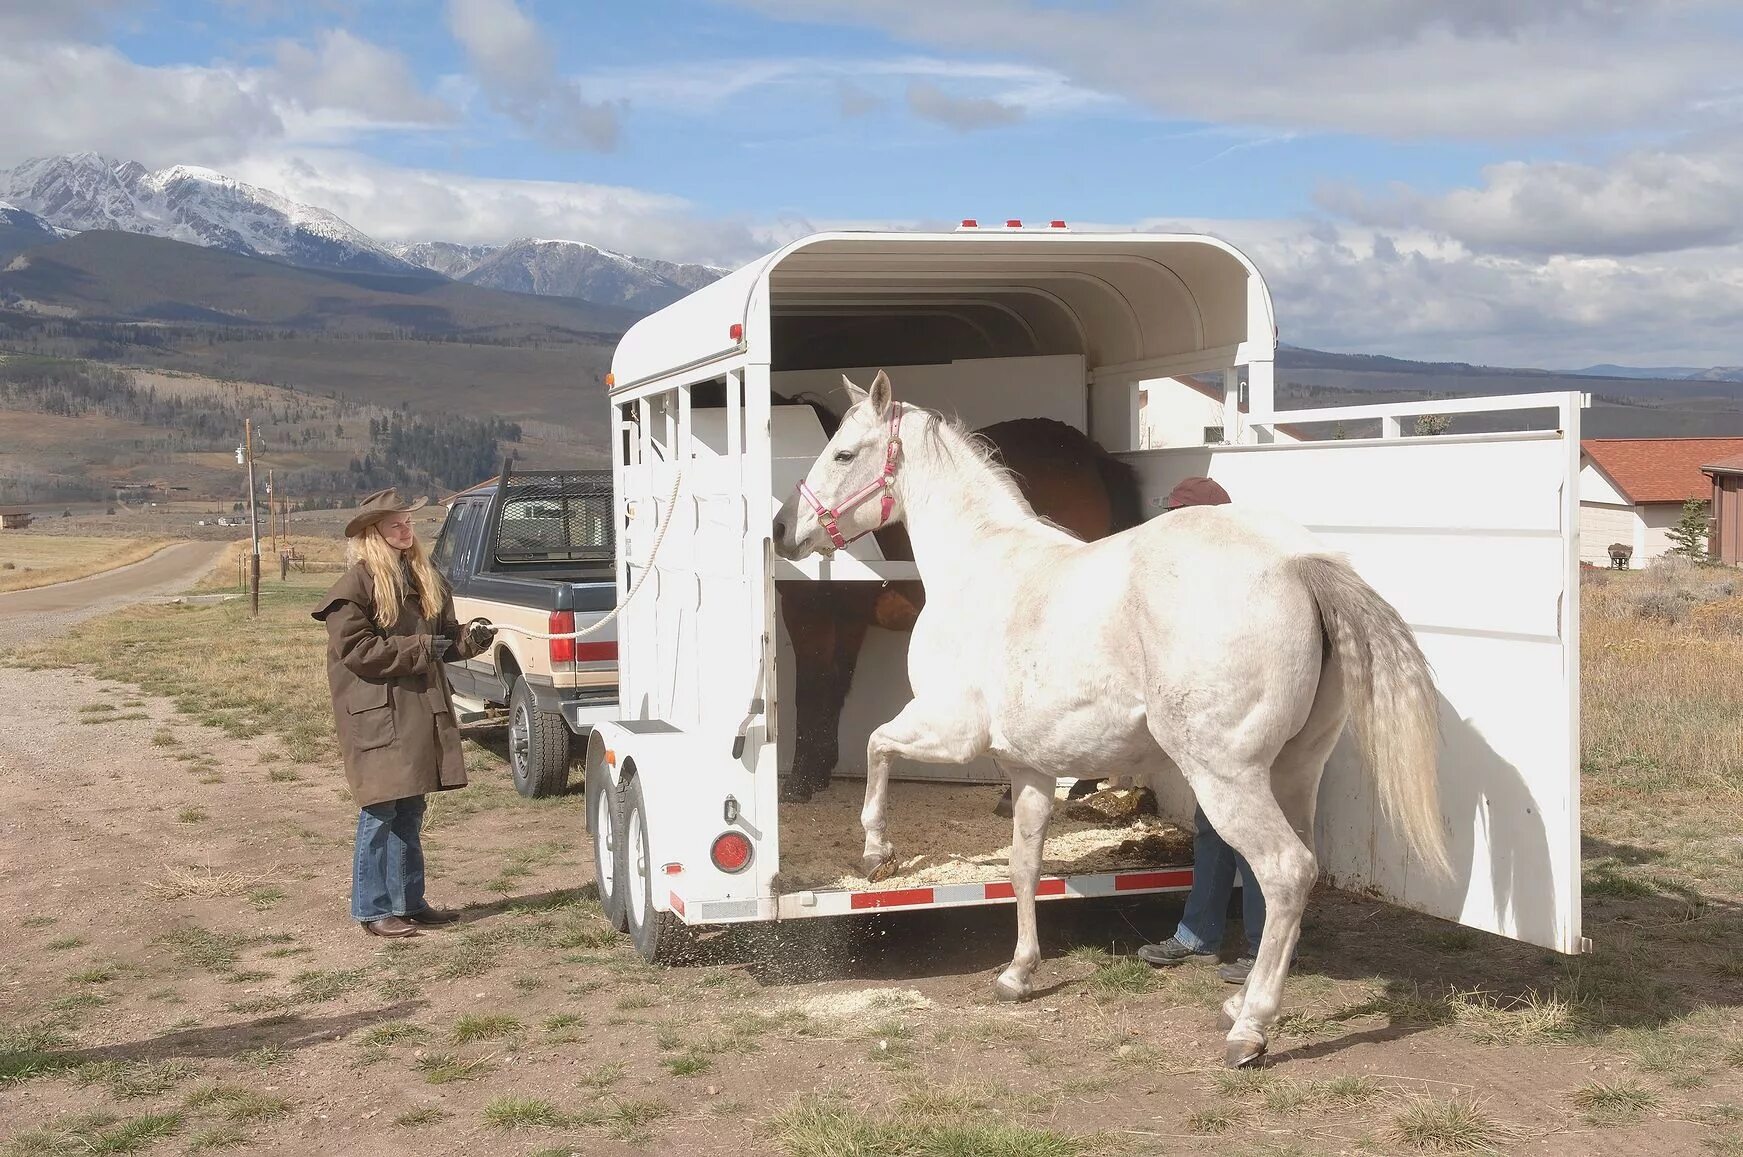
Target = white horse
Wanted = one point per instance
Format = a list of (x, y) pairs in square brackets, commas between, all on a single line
[(1224, 642)]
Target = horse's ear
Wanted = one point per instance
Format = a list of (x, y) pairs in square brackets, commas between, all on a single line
[(855, 395), (881, 394)]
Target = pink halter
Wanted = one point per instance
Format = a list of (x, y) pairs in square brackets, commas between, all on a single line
[(880, 485)]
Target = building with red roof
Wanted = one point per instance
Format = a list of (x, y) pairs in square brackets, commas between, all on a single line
[(1632, 490)]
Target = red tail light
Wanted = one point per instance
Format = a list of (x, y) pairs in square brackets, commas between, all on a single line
[(596, 652), (562, 650), (731, 852)]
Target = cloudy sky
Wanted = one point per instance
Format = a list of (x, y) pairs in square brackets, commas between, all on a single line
[(1527, 182)]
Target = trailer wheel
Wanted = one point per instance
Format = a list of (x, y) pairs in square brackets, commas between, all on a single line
[(605, 821), (538, 745), (658, 936)]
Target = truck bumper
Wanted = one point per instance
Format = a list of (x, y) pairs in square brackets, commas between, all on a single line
[(579, 709)]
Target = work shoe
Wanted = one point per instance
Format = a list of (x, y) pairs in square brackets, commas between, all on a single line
[(1236, 970), (1169, 953), (434, 916), (390, 926)]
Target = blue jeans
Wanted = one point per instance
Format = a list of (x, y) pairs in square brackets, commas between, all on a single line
[(1214, 865), (387, 872)]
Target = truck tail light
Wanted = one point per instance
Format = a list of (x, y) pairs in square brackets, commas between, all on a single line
[(605, 652), (562, 650), (731, 852)]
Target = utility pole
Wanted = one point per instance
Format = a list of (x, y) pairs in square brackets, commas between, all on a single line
[(271, 512), (253, 521)]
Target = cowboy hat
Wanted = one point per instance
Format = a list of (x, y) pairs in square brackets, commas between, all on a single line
[(378, 506)]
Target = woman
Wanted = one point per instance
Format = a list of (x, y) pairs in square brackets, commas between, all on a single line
[(390, 626)]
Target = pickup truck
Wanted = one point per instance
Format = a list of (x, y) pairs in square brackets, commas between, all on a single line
[(534, 554)]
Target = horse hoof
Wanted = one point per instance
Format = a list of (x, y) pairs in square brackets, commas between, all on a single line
[(879, 868), (1009, 989), (795, 793), (1224, 1022), (1243, 1054)]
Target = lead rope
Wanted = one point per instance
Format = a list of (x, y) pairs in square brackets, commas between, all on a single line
[(653, 552)]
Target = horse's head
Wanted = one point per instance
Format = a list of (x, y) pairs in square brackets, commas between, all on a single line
[(850, 490)]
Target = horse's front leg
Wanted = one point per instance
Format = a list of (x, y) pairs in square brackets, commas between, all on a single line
[(930, 733), (1033, 807)]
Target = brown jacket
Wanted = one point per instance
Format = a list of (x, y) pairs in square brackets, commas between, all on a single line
[(390, 699)]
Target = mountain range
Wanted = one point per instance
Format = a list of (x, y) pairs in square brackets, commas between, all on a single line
[(49, 198)]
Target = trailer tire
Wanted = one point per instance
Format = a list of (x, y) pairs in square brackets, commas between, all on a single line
[(658, 936), (538, 745), (605, 822)]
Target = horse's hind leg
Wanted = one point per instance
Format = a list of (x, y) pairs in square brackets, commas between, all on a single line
[(1246, 814), (922, 732), (1296, 774), (1033, 794)]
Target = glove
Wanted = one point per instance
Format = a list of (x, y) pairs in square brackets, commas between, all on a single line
[(439, 645), (479, 634)]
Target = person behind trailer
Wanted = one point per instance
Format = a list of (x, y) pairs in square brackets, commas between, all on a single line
[(1199, 935), (390, 627)]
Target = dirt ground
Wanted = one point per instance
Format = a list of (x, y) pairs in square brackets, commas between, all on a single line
[(182, 975)]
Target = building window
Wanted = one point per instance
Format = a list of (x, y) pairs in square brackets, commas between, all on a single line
[(1213, 435)]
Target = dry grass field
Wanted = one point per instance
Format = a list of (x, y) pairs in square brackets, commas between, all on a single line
[(36, 560), (183, 976)]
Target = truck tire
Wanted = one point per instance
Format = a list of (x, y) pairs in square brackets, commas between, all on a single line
[(538, 745), (658, 936), (605, 822)]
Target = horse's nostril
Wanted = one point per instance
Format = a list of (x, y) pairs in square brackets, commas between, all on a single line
[(780, 528)]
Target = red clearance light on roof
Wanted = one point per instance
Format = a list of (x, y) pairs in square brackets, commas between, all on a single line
[(736, 333), (562, 650), (1013, 223), (970, 223), (731, 852), (1056, 224), (610, 380)]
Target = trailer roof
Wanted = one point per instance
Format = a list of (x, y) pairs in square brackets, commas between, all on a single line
[(1120, 299)]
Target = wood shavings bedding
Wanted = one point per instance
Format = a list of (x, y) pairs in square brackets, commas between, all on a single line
[(948, 834)]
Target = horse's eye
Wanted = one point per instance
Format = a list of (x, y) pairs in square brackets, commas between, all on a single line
[(844, 455)]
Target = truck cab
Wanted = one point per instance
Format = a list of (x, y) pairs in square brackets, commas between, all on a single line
[(533, 553)]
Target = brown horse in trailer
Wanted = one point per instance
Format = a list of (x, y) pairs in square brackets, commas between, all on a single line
[(1067, 477)]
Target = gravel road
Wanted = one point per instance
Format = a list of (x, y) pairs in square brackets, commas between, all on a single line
[(28, 615)]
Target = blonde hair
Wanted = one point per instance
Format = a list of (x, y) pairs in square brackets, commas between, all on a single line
[(387, 569)]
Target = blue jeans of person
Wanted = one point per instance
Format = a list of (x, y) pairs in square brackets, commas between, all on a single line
[(1214, 865), (387, 871)]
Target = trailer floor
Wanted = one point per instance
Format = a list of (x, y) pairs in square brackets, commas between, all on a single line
[(948, 834)]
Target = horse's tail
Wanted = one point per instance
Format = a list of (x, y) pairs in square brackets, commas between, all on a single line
[(1125, 497), (1391, 698)]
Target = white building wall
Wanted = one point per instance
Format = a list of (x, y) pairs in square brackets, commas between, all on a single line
[(1604, 523), (1656, 518), (1596, 487)]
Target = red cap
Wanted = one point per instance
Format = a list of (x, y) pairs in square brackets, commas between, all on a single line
[(1196, 492)]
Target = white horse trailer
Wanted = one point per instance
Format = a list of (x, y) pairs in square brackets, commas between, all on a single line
[(1474, 538)]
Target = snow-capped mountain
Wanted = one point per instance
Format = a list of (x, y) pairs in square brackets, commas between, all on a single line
[(85, 191), (445, 257), (564, 269), (20, 230)]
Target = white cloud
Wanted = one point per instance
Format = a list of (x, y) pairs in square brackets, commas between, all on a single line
[(399, 204), (1412, 69), (962, 113), (75, 97), (1646, 201), (69, 95), (687, 88), (343, 72), (516, 68), (1418, 293)]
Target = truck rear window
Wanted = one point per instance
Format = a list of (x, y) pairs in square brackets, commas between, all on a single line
[(556, 518)]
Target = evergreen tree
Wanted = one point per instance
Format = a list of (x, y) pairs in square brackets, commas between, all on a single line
[(1689, 535)]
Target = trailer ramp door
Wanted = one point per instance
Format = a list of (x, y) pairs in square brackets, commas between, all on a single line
[(1475, 541)]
